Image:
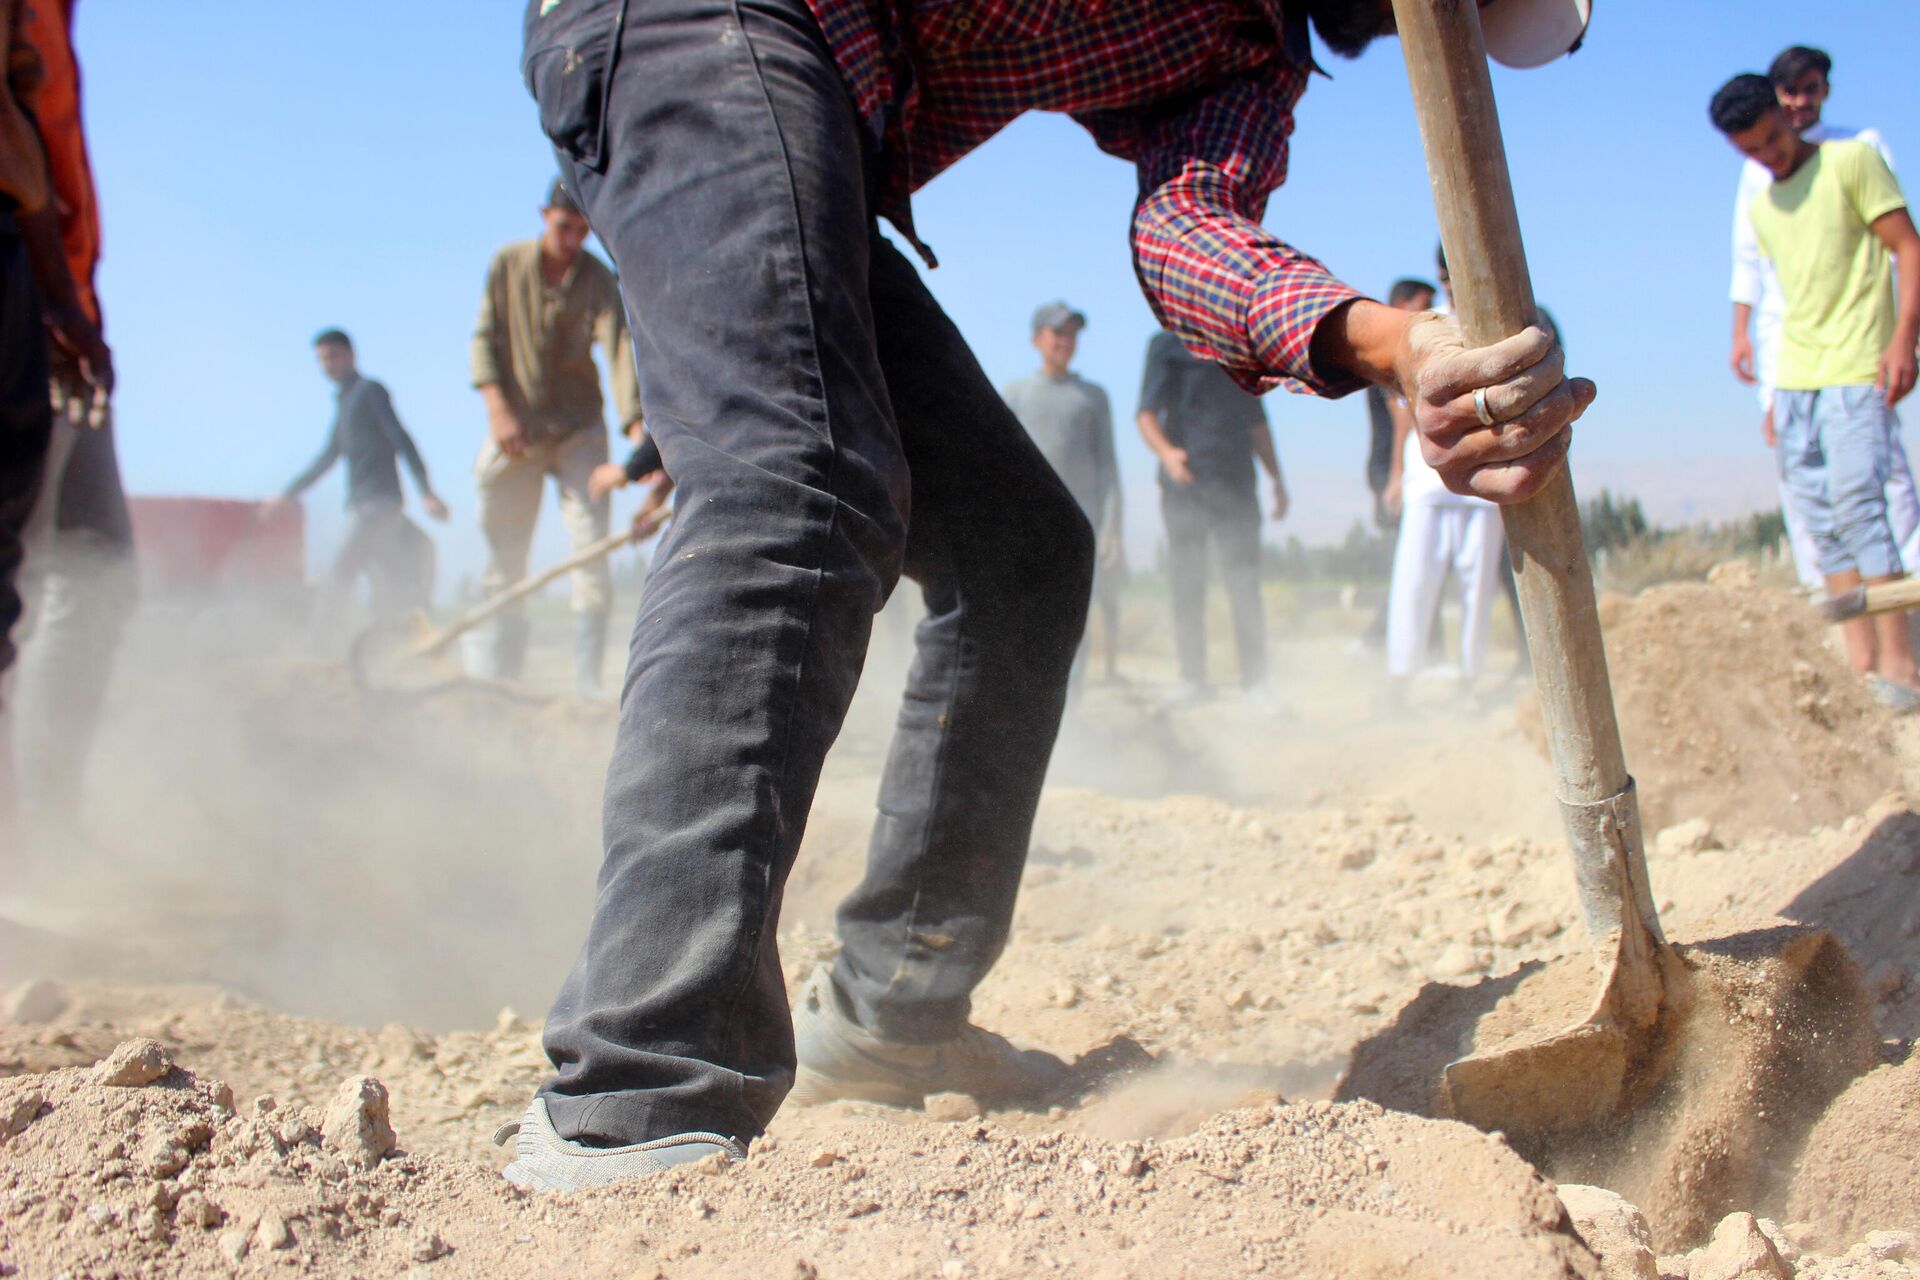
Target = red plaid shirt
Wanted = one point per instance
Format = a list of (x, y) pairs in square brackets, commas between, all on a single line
[(1198, 94)]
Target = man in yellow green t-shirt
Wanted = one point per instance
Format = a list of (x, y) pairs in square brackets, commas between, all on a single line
[(1834, 225)]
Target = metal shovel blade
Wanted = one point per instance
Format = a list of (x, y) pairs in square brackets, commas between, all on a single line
[(1582, 1074)]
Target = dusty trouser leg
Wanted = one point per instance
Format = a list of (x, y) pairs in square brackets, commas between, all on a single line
[(1857, 439), (733, 201), (26, 422), (574, 458), (1005, 560), (1185, 515), (387, 547), (87, 594), (1478, 542), (1420, 557), (509, 509), (1235, 520)]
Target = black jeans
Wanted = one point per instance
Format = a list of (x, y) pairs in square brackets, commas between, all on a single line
[(1227, 517), (26, 417), (827, 429)]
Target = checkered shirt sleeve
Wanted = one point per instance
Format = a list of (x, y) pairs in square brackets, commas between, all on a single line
[(1235, 293)]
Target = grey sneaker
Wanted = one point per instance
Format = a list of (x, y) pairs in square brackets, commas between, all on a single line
[(1901, 699), (545, 1161), (840, 1060)]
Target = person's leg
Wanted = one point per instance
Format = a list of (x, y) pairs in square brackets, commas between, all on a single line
[(1856, 438), (509, 509), (88, 590), (1107, 594), (1004, 558), (1903, 501), (26, 426), (378, 546), (1419, 571), (1806, 558), (1186, 522), (1804, 467), (1477, 558), (572, 462), (1234, 525), (732, 199)]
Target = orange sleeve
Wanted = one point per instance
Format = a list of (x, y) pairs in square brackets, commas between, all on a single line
[(48, 30), (23, 173)]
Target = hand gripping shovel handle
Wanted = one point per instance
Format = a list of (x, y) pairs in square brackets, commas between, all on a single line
[(1453, 96)]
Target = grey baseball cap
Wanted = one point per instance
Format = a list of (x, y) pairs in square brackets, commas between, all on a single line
[(1532, 33), (1058, 315)]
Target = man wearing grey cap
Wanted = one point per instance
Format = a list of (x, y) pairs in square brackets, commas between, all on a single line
[(546, 303), (1071, 421)]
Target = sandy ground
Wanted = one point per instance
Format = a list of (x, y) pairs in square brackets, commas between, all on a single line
[(290, 886)]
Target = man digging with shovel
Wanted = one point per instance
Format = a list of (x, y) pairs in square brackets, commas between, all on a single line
[(828, 430)]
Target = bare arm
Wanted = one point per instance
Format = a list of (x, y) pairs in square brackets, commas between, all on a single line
[(1173, 460), (1262, 436), (1111, 512), (1897, 364), (1742, 357)]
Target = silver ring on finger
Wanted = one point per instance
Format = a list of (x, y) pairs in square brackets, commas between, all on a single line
[(1480, 410)]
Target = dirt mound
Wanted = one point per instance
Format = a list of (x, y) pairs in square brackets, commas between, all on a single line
[(1734, 709), (170, 1178), (1861, 1168), (1774, 1025)]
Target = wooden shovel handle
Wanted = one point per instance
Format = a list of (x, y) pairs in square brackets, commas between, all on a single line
[(1453, 96)]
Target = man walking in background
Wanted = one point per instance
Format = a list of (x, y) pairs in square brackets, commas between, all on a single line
[(1206, 432), (1801, 81), (381, 542), (1834, 225), (1071, 421), (78, 582), (547, 302)]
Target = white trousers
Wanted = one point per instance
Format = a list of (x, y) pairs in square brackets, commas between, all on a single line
[(1437, 536)]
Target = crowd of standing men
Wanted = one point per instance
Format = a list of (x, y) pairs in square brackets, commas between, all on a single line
[(1820, 226)]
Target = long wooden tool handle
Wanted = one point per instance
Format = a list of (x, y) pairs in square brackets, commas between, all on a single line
[(523, 588), (1887, 597), (1453, 95)]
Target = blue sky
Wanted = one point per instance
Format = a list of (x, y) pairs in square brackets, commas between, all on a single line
[(268, 170)]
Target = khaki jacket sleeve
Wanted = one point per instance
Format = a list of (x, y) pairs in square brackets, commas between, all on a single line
[(610, 331), (489, 330)]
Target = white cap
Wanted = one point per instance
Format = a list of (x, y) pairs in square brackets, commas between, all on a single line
[(1531, 33)]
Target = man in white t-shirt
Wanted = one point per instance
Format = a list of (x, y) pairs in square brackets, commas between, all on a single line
[(1800, 80)]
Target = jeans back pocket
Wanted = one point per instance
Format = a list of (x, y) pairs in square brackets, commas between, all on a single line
[(571, 49)]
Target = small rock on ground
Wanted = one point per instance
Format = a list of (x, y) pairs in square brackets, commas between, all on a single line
[(1739, 1250), (1614, 1229), (134, 1063), (357, 1126)]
